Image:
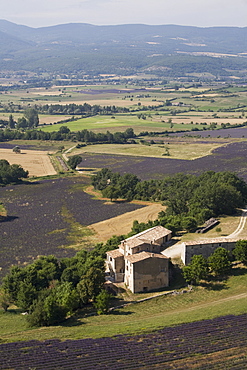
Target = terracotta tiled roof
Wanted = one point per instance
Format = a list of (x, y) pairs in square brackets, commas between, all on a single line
[(115, 253), (133, 258), (147, 236), (134, 242)]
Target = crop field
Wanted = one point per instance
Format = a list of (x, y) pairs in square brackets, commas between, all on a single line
[(119, 123), (47, 146), (210, 344), (161, 122), (122, 224), (48, 216), (191, 106), (232, 157), (178, 150), (103, 95), (43, 118), (237, 132), (37, 163), (212, 96)]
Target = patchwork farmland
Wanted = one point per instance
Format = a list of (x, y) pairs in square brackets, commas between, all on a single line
[(232, 157), (51, 217)]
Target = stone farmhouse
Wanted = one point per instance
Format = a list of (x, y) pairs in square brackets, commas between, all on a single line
[(205, 247), (138, 261)]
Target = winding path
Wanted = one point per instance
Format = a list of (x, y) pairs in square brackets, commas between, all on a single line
[(241, 225), (176, 250)]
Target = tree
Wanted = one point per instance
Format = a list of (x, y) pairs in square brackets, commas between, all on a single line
[(189, 223), (31, 116), (16, 149), (64, 130), (26, 295), (91, 284), (11, 123), (219, 261), (74, 161), (22, 123), (67, 296), (102, 302), (240, 251), (111, 192), (5, 300), (46, 311), (11, 173), (197, 270)]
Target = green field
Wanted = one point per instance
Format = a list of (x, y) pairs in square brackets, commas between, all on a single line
[(157, 123), (217, 299), (179, 150)]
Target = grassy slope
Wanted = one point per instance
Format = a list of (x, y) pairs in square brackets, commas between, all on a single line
[(220, 298), (177, 150), (120, 123)]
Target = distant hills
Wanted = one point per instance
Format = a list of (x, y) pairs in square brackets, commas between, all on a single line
[(165, 49)]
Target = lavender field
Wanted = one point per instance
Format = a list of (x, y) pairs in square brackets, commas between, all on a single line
[(219, 343), (239, 132), (36, 224), (232, 157)]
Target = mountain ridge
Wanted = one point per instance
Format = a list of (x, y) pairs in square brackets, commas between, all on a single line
[(136, 46)]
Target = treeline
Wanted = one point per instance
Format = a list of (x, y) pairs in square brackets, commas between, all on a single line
[(50, 290), (70, 109), (80, 109), (190, 199), (29, 120), (64, 133), (11, 173)]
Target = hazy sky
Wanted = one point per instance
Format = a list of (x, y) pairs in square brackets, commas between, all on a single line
[(202, 13)]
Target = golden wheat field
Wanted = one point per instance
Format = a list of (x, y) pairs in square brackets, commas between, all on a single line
[(36, 162), (122, 224)]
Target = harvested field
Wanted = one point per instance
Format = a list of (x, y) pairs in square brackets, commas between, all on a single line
[(36, 162), (232, 157), (122, 224), (179, 151), (44, 216)]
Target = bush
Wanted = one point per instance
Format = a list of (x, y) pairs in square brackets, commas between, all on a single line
[(240, 251), (219, 261), (197, 270), (102, 302), (74, 161), (46, 312)]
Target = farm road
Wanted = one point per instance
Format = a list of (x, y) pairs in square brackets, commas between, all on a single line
[(176, 250), (241, 225)]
